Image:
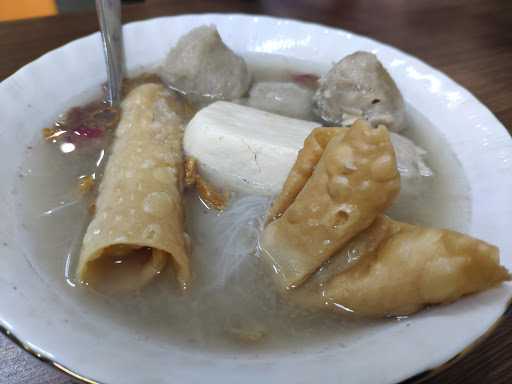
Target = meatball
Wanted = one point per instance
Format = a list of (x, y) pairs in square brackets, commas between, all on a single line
[(283, 98), (359, 86), (202, 65)]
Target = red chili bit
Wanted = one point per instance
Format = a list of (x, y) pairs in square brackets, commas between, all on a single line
[(88, 132), (306, 79)]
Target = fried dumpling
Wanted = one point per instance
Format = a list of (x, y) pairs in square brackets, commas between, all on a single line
[(331, 195), (402, 267), (332, 247)]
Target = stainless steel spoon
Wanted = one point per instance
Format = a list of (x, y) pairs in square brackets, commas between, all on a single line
[(109, 16)]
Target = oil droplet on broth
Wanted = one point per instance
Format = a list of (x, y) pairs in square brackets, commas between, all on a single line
[(67, 147)]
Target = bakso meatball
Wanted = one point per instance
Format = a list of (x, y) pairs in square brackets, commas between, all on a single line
[(283, 98), (202, 65), (359, 86)]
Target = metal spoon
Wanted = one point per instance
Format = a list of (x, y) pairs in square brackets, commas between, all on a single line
[(109, 16)]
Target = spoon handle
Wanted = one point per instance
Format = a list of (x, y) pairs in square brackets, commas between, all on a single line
[(109, 16)]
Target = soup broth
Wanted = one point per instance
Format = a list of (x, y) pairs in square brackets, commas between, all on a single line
[(232, 304)]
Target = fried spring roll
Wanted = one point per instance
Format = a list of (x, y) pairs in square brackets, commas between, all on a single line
[(137, 230)]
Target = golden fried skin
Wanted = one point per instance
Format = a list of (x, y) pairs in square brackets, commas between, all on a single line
[(303, 168), (191, 172), (354, 180), (404, 267), (210, 196)]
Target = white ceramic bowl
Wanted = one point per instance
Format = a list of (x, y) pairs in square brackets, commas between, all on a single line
[(57, 328)]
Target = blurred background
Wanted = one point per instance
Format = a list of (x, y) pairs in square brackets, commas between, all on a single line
[(24, 9)]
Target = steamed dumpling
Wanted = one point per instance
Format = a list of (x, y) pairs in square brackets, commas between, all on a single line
[(202, 65), (356, 87)]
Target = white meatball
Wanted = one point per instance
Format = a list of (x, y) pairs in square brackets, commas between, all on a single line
[(202, 65), (359, 86), (287, 99)]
